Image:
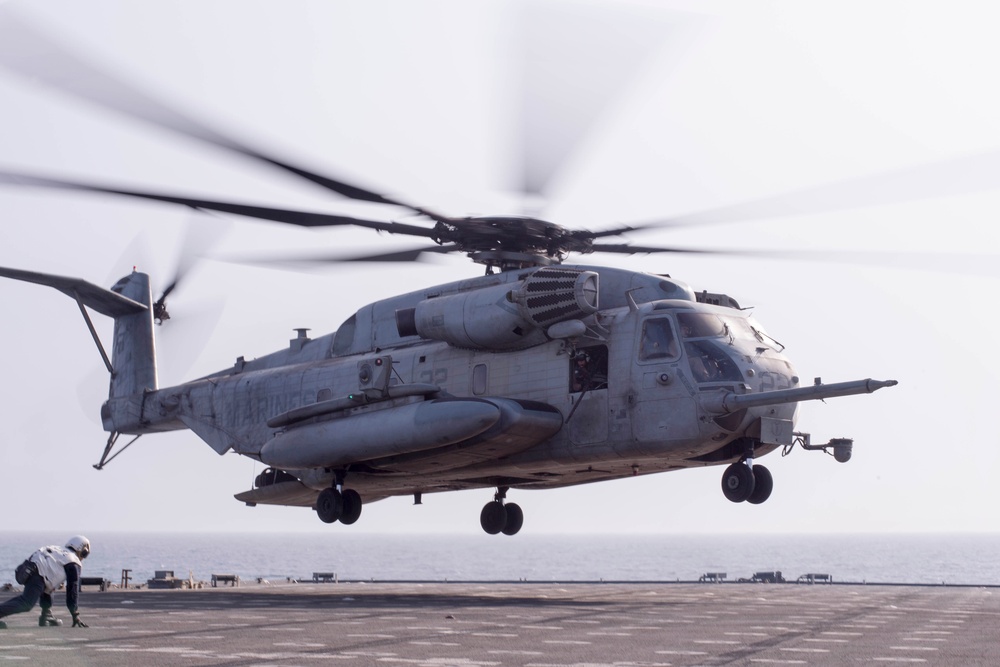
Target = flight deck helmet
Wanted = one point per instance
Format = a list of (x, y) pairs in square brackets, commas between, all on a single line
[(80, 545)]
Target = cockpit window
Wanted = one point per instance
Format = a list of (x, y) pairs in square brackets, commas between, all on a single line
[(658, 341), (739, 327), (700, 325), (710, 363)]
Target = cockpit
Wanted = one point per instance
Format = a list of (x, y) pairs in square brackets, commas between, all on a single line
[(708, 359), (711, 342)]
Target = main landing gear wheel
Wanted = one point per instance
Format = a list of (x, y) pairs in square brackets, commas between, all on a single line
[(500, 517), (330, 505), (493, 518), (352, 506), (738, 482), (515, 519), (763, 484)]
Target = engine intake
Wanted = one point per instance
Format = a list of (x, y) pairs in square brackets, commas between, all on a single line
[(502, 317), (555, 294)]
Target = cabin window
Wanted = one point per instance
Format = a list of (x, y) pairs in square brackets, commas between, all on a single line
[(588, 369), (658, 340), (480, 379)]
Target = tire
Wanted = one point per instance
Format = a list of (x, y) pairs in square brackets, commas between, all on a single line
[(352, 507), (763, 484), (738, 482), (493, 518), (515, 519), (329, 505)]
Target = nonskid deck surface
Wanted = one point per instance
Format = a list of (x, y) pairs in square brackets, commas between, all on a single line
[(441, 624)]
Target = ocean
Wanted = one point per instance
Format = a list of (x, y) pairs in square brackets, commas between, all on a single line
[(919, 559)]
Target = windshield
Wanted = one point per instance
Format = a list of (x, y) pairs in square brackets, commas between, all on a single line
[(740, 327), (707, 325), (700, 325), (710, 363)]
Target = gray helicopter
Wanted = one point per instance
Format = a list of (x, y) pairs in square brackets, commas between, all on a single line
[(538, 374)]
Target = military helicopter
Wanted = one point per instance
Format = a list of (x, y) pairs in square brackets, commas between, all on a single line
[(538, 374)]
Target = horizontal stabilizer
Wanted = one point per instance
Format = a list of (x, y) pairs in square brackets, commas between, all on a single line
[(99, 299)]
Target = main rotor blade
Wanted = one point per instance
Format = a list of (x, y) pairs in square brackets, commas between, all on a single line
[(26, 51), (409, 255), (957, 176), (616, 231), (628, 249), (949, 262), (412, 255), (962, 263), (570, 65), (288, 216)]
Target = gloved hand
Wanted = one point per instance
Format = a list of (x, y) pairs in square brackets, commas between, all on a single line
[(77, 623)]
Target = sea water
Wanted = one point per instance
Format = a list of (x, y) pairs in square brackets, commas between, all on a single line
[(924, 559)]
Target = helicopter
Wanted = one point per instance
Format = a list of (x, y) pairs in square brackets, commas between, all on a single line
[(539, 374)]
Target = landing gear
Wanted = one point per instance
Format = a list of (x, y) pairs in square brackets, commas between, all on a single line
[(743, 481), (329, 505), (493, 518), (338, 504), (763, 483), (352, 507), (737, 482), (515, 519), (498, 517)]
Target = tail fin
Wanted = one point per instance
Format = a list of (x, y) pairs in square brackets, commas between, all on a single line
[(133, 356), (133, 366)]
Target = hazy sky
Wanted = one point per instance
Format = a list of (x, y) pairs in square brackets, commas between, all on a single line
[(630, 111)]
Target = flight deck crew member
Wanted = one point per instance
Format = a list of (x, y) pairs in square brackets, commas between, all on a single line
[(43, 572)]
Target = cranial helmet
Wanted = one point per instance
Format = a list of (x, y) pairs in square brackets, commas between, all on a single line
[(79, 544)]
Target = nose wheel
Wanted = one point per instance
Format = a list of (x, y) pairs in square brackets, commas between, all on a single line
[(500, 517), (745, 482)]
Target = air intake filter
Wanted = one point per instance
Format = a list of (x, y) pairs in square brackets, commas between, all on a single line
[(553, 294)]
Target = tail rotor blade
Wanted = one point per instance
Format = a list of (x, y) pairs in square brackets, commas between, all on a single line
[(200, 236)]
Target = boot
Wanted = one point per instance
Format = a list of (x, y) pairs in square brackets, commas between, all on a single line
[(48, 620)]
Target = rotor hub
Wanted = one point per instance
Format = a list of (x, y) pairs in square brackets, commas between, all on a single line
[(514, 242)]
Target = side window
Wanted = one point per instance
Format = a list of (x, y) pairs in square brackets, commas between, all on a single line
[(588, 369), (479, 379), (658, 341)]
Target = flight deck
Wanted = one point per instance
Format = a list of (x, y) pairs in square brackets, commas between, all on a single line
[(520, 624)]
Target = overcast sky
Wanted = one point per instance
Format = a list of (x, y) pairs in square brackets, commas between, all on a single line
[(609, 113)]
